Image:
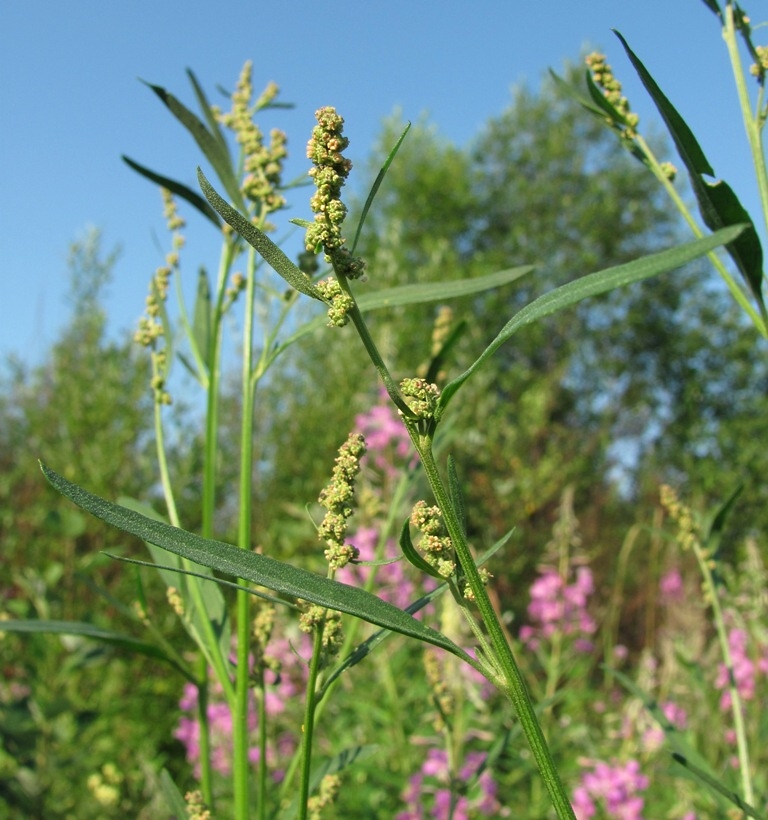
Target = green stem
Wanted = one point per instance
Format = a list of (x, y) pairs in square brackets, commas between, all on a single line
[(206, 782), (240, 717), (738, 294), (308, 725), (751, 122), (262, 776), (373, 352), (703, 559), (212, 393), (514, 684), (206, 774)]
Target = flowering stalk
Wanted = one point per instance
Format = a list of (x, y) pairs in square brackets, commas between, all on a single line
[(513, 684), (736, 22), (625, 123), (688, 536), (325, 625), (255, 181), (416, 401)]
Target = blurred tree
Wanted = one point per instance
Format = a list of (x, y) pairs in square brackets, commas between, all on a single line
[(68, 706), (577, 400), (86, 411)]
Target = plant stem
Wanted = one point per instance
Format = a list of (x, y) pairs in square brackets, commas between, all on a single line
[(751, 122), (308, 725), (240, 716), (206, 775), (515, 686), (703, 559)]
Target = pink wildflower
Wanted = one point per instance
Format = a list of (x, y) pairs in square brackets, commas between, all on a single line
[(671, 586), (385, 435), (428, 795), (614, 787), (558, 606)]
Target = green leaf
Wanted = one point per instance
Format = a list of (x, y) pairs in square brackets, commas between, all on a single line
[(377, 184), (717, 523), (718, 204), (207, 143), (205, 576), (177, 188), (457, 497), (258, 239), (201, 320), (213, 124), (603, 110), (591, 285), (421, 293), (714, 8), (418, 294), (82, 629), (214, 607), (438, 360), (569, 90), (683, 752), (412, 555), (717, 787), (259, 569), (603, 103), (173, 799)]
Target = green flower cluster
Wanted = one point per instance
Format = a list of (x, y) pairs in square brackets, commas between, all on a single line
[(340, 303), (337, 499), (150, 327), (435, 545), (421, 396), (603, 76), (317, 617), (329, 173), (262, 164)]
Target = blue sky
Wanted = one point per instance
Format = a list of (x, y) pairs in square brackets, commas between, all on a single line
[(72, 104)]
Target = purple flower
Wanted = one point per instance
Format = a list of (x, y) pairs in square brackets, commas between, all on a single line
[(428, 795), (393, 581), (614, 788), (281, 690), (671, 586), (743, 670), (557, 606), (385, 435)]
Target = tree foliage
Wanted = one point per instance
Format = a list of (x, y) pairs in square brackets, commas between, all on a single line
[(595, 398)]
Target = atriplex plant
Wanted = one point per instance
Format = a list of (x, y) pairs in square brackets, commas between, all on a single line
[(252, 185)]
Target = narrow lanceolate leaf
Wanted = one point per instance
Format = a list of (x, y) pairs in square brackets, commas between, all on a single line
[(81, 629), (201, 318), (592, 285), (598, 106), (718, 204), (682, 751), (713, 7), (174, 802), (207, 143), (412, 555), (259, 569), (377, 184), (419, 294), (214, 607), (438, 291), (440, 358), (270, 252), (457, 497), (178, 188), (210, 117)]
